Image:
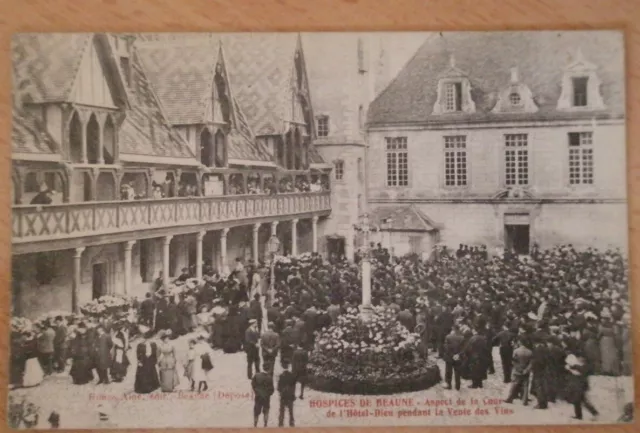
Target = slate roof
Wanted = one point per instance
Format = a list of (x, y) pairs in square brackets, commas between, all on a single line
[(46, 64), (182, 76), (487, 58), (28, 136), (403, 218), (145, 130), (241, 142), (261, 70)]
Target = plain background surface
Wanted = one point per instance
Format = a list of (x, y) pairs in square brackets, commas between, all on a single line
[(319, 15)]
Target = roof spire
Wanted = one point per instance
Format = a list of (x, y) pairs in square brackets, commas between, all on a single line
[(452, 61), (514, 75)]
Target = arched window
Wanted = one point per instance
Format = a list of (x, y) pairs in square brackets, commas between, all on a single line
[(93, 140), (75, 138), (206, 148), (223, 97), (220, 149), (109, 141)]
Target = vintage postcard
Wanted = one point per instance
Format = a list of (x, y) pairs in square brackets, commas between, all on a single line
[(319, 229)]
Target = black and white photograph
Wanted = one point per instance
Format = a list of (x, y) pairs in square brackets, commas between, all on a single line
[(319, 229)]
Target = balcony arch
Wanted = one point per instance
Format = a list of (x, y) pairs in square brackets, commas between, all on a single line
[(109, 141), (105, 186), (76, 151), (93, 140)]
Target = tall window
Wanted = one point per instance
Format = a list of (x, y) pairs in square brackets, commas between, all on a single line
[(580, 91), (453, 97), (581, 158), (323, 126), (339, 170), (397, 161), (455, 160), (516, 159), (126, 69)]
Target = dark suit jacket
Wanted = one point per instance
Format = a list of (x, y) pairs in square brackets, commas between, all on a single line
[(287, 386), (262, 385), (453, 345)]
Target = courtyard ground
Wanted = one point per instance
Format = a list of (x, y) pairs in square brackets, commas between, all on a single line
[(229, 403)]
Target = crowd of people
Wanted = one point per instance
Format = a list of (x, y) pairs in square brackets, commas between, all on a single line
[(558, 316)]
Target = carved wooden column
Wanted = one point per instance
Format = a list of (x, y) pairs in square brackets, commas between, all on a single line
[(166, 250), (223, 251), (199, 238), (256, 239), (77, 272), (128, 246), (100, 118), (314, 233), (294, 237)]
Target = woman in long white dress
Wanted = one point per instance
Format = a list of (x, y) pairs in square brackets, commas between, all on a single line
[(201, 372), (33, 373)]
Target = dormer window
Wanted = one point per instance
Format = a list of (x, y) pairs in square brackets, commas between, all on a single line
[(580, 91), (453, 96), (580, 86), (514, 99), (454, 92)]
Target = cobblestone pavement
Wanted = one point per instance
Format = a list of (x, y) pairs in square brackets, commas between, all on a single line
[(229, 403)]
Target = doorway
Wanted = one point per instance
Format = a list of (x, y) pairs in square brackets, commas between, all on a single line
[(335, 246), (99, 280), (517, 238)]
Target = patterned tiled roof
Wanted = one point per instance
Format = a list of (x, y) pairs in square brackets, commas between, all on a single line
[(182, 76), (314, 156), (242, 143), (487, 57), (46, 64), (28, 136), (146, 130), (402, 218), (261, 68)]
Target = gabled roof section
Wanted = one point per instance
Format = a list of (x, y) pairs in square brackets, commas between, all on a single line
[(487, 58), (182, 75), (28, 136), (46, 65), (402, 218), (145, 130), (261, 67), (242, 143)]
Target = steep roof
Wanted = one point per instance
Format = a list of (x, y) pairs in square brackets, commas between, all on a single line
[(182, 76), (487, 58), (261, 67), (46, 64), (30, 137), (145, 130), (402, 218)]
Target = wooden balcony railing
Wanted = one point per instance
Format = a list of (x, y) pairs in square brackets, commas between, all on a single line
[(37, 223)]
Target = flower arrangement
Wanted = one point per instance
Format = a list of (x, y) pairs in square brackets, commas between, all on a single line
[(375, 356), (106, 305)]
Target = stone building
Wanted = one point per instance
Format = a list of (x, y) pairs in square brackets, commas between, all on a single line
[(140, 154), (504, 139)]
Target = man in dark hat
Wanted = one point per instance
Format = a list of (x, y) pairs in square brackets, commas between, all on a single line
[(299, 362), (262, 384), (255, 310), (521, 371), (476, 357), (287, 390), (251, 338), (540, 370), (505, 339), (147, 308), (452, 349), (60, 344), (289, 338), (102, 355), (270, 344)]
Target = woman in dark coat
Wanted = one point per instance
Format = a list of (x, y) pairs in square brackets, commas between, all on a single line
[(146, 374), (81, 354)]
